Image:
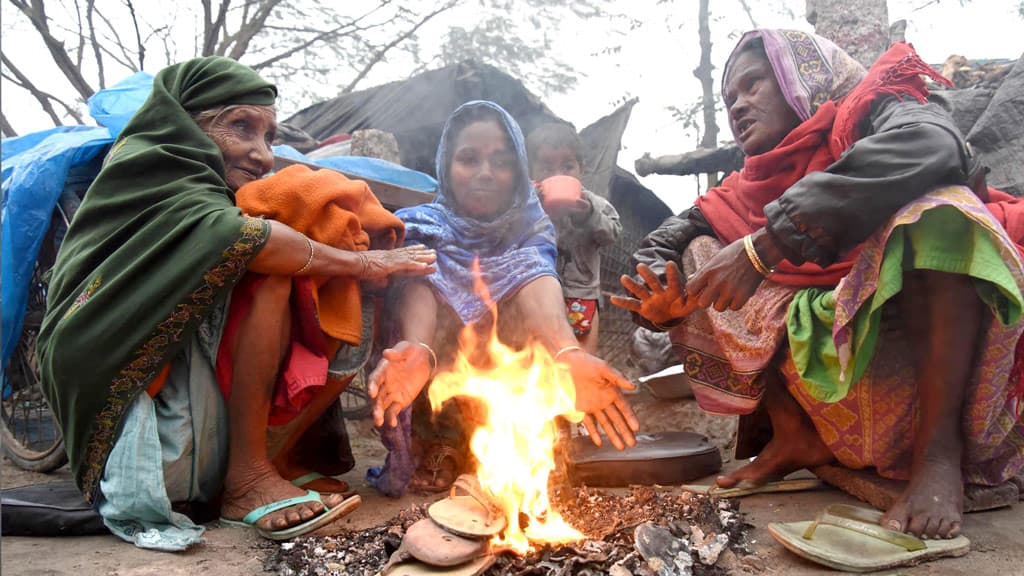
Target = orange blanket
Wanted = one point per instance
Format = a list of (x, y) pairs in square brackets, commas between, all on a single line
[(332, 210)]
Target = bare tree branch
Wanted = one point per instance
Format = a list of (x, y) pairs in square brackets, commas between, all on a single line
[(379, 55), (36, 14), (138, 35), (925, 5), (352, 25), (212, 27), (125, 59), (746, 8), (239, 41), (327, 35), (21, 80), (5, 126), (90, 7), (79, 54)]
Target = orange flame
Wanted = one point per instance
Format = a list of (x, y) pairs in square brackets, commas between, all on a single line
[(522, 393)]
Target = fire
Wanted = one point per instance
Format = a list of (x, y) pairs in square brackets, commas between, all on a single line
[(521, 393)]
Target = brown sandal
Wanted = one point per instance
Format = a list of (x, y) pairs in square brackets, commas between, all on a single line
[(434, 464), (433, 545), (471, 516)]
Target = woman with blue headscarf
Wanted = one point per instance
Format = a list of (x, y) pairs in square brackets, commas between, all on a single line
[(486, 210)]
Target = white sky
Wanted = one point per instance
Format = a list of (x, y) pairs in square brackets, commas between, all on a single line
[(654, 64)]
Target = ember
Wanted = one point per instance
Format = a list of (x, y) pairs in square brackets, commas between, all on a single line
[(708, 535)]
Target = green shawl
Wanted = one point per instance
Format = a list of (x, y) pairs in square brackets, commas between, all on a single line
[(156, 243)]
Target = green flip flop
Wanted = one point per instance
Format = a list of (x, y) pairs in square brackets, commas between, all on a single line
[(307, 478), (849, 538), (329, 515)]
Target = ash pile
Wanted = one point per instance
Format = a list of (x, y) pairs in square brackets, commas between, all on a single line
[(645, 532)]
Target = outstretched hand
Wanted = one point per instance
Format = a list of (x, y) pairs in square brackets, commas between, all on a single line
[(599, 395), (399, 377), (415, 260), (658, 303)]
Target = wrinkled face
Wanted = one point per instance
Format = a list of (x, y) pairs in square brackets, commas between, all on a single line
[(482, 173), (244, 134), (758, 113), (548, 162)]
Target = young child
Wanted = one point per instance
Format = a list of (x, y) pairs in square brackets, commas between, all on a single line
[(555, 149)]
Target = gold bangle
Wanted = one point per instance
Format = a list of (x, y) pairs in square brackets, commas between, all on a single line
[(309, 261), (748, 245), (564, 350), (433, 356)]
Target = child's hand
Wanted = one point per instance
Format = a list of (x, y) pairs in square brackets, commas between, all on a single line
[(581, 209), (656, 302)]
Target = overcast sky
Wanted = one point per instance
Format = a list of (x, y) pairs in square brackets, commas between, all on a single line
[(656, 66), (654, 63)]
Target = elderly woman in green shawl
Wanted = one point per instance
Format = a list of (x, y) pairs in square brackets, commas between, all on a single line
[(137, 304)]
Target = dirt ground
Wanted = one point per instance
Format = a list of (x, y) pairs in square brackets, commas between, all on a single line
[(997, 537)]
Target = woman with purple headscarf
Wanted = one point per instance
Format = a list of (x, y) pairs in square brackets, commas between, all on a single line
[(856, 284)]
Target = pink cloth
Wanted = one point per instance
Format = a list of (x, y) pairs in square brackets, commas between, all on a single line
[(305, 363)]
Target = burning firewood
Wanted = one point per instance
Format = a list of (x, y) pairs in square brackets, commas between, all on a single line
[(709, 528)]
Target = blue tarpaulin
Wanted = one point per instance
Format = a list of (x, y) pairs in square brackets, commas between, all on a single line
[(113, 107), (372, 168), (34, 171)]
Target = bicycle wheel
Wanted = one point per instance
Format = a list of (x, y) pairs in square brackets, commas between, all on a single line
[(31, 438), (355, 400)]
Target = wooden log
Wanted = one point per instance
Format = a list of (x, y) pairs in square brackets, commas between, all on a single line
[(700, 161)]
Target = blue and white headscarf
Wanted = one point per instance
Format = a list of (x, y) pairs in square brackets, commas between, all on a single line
[(515, 248)]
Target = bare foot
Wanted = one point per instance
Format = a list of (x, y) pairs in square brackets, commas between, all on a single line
[(258, 485), (932, 504), (782, 455), (795, 445)]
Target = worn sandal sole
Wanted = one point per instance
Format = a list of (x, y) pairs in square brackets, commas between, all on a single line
[(431, 544), (472, 568), (470, 516)]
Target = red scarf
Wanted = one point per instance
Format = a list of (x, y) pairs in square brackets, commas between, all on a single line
[(736, 208)]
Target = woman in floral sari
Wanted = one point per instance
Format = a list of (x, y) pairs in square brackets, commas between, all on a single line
[(856, 280)]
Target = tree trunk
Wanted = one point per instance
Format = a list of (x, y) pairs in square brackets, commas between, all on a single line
[(860, 27), (703, 73), (6, 127)]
